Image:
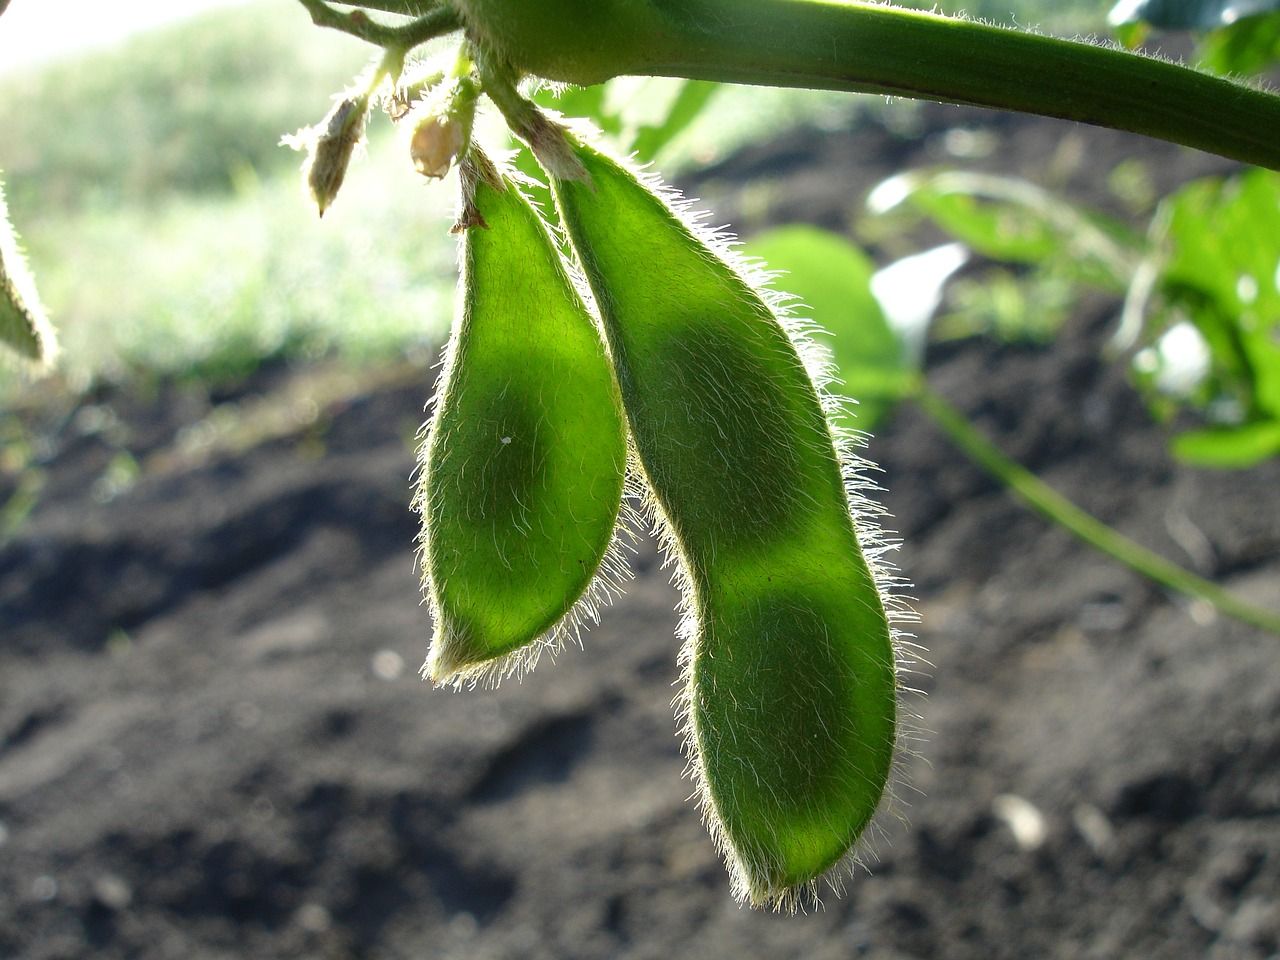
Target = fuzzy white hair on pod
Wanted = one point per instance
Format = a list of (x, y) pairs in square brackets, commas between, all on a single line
[(876, 542), (611, 576)]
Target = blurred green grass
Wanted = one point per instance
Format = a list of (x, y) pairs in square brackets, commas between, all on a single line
[(212, 285), (167, 228), (175, 110)]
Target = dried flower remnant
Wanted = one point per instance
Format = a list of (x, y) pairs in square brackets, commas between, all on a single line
[(329, 146), (440, 127), (436, 142)]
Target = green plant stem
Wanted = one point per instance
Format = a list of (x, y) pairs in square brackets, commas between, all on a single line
[(886, 50), (430, 25), (1038, 495), (876, 48)]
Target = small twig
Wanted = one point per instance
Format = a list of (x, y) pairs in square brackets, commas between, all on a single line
[(429, 26), (435, 23)]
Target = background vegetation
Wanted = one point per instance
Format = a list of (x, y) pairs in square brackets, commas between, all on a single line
[(218, 650), (166, 225)]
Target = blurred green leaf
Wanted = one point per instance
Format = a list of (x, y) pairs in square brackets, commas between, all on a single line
[(1009, 306), (1248, 46), (1223, 271), (1231, 447), (1008, 219), (1131, 35), (690, 100), (586, 102), (832, 279), (1187, 14), (18, 507), (642, 115)]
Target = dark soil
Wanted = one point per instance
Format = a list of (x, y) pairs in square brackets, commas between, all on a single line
[(213, 743)]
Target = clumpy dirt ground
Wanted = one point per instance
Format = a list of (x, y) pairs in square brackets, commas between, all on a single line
[(213, 743)]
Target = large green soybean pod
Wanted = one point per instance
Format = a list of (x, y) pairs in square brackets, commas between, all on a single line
[(790, 686), (523, 470)]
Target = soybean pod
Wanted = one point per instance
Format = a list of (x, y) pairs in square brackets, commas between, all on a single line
[(523, 468), (790, 687), (24, 326)]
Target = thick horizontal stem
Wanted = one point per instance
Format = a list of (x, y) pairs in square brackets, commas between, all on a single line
[(876, 48), (886, 50)]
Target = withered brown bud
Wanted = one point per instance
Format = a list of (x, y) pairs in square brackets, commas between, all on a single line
[(436, 143), (329, 145)]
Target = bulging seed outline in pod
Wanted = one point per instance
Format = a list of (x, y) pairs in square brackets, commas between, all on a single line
[(24, 325), (793, 747), (523, 466)]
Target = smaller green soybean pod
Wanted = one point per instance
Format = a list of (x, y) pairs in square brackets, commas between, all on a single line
[(790, 691), (523, 467), (24, 327)]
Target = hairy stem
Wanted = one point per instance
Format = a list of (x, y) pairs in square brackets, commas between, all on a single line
[(1038, 495), (877, 48), (885, 50)]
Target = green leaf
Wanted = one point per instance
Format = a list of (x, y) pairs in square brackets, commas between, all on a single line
[(1248, 46), (1008, 219), (1187, 14), (1230, 447), (587, 102), (832, 279), (690, 100), (641, 115), (1030, 306), (1224, 272), (1131, 35)]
